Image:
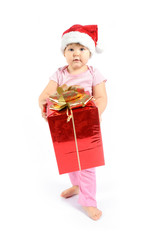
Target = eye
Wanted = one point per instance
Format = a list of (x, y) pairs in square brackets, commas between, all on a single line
[(82, 49), (70, 49)]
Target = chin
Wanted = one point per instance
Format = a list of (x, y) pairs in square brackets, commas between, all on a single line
[(77, 65)]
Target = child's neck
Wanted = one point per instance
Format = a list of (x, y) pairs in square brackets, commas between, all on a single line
[(77, 70)]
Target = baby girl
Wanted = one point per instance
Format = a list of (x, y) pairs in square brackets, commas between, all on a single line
[(78, 44)]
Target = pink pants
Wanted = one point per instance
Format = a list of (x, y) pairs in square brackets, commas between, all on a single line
[(86, 180)]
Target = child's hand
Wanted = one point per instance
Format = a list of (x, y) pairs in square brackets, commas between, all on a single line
[(50, 89), (100, 118), (43, 106)]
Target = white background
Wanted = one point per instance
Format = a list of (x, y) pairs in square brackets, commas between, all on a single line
[(127, 187)]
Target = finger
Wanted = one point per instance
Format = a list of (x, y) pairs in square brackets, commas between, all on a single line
[(44, 115)]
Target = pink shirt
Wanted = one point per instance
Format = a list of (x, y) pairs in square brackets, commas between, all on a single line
[(86, 79)]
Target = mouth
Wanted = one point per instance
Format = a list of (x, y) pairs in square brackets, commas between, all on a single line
[(76, 60)]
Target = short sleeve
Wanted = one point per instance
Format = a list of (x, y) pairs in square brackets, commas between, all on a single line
[(55, 77), (98, 77)]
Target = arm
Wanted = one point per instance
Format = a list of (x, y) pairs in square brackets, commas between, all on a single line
[(100, 95), (49, 89)]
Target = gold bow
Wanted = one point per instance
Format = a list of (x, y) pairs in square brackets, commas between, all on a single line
[(69, 96)]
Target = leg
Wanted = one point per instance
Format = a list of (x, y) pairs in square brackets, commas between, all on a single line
[(75, 188), (87, 193), (74, 177), (87, 185)]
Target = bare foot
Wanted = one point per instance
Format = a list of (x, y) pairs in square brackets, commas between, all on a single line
[(70, 192), (93, 212)]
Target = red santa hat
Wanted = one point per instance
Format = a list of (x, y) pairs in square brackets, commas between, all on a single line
[(85, 35)]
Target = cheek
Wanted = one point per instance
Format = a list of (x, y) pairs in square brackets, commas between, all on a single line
[(68, 58), (86, 57)]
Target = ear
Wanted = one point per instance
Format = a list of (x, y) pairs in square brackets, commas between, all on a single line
[(64, 52)]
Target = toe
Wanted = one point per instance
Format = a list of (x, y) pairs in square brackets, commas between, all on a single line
[(63, 194), (97, 215)]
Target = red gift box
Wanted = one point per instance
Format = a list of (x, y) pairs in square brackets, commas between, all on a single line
[(77, 143)]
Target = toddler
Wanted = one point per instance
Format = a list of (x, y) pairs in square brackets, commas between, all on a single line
[(78, 44)]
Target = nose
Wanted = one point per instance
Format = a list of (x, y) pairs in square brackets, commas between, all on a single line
[(76, 52)]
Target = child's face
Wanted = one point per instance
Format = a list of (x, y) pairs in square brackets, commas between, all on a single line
[(76, 55)]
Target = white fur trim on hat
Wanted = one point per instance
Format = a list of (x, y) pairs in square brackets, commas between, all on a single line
[(78, 37)]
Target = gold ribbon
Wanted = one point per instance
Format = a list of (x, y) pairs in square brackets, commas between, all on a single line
[(74, 130)]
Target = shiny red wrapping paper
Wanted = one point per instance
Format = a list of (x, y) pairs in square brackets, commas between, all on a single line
[(88, 138)]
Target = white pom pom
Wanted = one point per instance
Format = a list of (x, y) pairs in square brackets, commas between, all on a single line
[(99, 49)]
